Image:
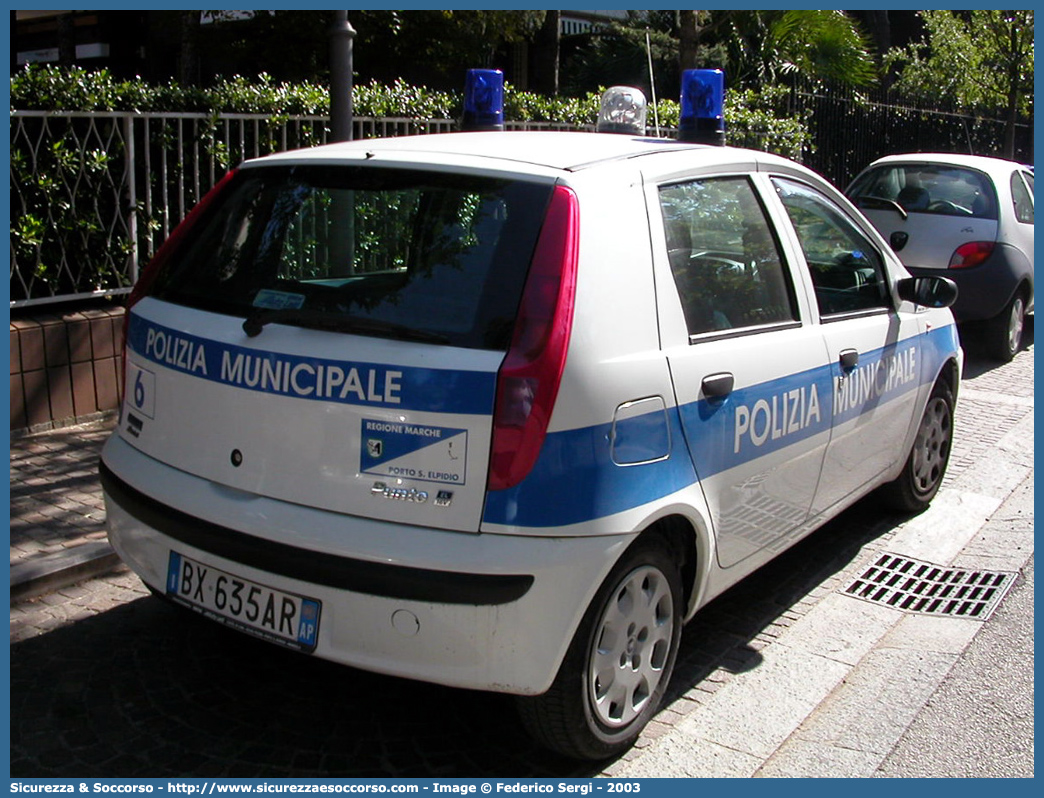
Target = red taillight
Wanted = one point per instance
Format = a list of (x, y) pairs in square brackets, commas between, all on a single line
[(149, 273), (528, 381), (971, 254)]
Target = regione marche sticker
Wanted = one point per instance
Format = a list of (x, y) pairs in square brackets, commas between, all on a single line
[(414, 451)]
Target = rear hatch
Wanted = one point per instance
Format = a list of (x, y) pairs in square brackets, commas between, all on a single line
[(331, 336), (929, 212)]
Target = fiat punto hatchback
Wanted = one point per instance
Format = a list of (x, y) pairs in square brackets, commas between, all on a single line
[(504, 410)]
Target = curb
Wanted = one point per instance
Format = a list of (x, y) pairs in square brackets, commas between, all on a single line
[(55, 571)]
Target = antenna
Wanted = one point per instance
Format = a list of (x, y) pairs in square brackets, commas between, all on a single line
[(652, 84)]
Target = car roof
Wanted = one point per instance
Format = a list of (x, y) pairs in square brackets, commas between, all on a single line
[(550, 150), (981, 162)]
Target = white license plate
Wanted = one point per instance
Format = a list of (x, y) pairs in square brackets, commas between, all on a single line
[(275, 615)]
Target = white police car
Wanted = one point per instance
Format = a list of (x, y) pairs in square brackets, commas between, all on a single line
[(504, 410)]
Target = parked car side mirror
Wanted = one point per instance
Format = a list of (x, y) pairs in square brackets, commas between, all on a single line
[(929, 292)]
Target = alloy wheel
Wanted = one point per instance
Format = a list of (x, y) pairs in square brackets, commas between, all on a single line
[(631, 647), (932, 449)]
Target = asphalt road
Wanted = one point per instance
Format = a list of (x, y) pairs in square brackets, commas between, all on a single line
[(985, 704)]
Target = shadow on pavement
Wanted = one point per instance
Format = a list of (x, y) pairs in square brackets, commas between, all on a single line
[(149, 690), (976, 360)]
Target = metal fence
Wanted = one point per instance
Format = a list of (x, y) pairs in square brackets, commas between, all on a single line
[(850, 129), (94, 194)]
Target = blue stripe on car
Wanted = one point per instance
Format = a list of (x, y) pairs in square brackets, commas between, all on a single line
[(597, 487), (320, 379)]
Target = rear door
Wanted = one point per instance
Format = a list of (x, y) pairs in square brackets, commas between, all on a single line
[(750, 377), (331, 336)]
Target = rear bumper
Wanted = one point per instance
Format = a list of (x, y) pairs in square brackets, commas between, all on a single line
[(985, 290), (489, 612), (345, 573)]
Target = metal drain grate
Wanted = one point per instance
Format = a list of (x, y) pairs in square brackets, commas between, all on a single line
[(917, 586)]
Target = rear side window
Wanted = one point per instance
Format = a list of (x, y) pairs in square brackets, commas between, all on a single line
[(927, 188), (725, 259), (399, 253), (847, 271), (1022, 197)]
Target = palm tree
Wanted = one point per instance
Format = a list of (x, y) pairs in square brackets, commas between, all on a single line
[(765, 47), (755, 48)]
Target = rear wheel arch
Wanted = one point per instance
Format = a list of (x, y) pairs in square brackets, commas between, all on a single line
[(619, 663), (1004, 332), (1024, 289), (688, 548)]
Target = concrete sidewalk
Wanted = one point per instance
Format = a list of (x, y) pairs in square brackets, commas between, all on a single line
[(850, 689), (57, 514)]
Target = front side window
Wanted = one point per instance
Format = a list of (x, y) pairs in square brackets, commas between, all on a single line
[(726, 262), (927, 188), (400, 253), (847, 271)]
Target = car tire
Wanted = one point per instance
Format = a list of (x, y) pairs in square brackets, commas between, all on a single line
[(1004, 331), (913, 490), (619, 663)]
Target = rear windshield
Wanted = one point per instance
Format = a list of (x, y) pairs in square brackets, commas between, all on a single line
[(405, 254), (927, 188)]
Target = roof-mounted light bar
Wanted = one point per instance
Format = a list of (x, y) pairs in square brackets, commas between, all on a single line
[(623, 110), (483, 100), (702, 119)]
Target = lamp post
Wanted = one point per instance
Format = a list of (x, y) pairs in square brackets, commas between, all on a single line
[(341, 35), (342, 211)]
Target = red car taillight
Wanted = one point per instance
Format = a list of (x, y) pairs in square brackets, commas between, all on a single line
[(155, 266), (971, 254), (528, 380)]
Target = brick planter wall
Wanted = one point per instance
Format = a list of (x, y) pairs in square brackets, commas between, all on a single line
[(65, 367)]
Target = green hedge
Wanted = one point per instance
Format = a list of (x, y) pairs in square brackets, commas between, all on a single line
[(754, 118), (64, 236)]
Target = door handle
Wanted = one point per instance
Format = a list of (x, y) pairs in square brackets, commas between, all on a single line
[(718, 386), (849, 359)]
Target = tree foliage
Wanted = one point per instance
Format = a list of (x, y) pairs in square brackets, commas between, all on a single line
[(976, 60), (615, 53), (763, 47), (756, 49), (979, 61), (436, 47)]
